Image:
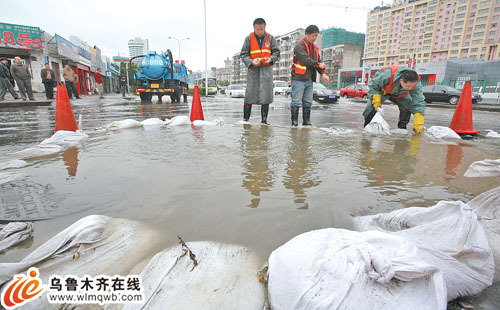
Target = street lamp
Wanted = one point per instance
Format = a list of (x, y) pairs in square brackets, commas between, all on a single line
[(179, 42)]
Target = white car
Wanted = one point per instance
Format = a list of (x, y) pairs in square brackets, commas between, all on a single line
[(279, 87), (235, 91)]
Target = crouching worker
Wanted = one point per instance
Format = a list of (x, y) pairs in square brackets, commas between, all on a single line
[(400, 85)]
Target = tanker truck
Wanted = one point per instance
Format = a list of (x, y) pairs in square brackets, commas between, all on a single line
[(158, 75)]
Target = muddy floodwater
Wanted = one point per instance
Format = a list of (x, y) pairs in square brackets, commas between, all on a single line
[(248, 184)]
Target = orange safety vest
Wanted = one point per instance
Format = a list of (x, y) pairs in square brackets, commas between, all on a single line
[(257, 52), (299, 68), (389, 87)]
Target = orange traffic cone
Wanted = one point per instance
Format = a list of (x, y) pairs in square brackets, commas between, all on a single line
[(196, 110), (65, 120), (461, 122)]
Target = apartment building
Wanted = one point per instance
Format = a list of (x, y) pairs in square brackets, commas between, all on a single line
[(432, 30), (340, 56), (286, 43)]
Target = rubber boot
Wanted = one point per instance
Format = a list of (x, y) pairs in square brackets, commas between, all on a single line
[(295, 116), (247, 109), (263, 111), (404, 118), (306, 116)]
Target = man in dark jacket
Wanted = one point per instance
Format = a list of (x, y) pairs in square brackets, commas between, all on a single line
[(5, 80), (48, 80), (22, 75), (306, 64)]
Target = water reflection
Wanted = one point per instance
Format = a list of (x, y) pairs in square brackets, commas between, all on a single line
[(257, 175), (454, 155), (299, 173), (70, 158), (389, 160)]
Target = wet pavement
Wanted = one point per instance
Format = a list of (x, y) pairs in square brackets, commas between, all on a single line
[(248, 184)]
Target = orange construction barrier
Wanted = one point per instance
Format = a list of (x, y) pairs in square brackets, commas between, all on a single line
[(196, 109), (65, 120), (461, 122)]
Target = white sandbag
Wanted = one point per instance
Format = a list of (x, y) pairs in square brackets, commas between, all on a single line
[(215, 122), (65, 138), (152, 122), (440, 132), (484, 168), (16, 163), (449, 236), (39, 151), (97, 240), (341, 269), (127, 123), (225, 278), (487, 207), (337, 131), (94, 245), (178, 121), (492, 134), (14, 233), (378, 125), (399, 131)]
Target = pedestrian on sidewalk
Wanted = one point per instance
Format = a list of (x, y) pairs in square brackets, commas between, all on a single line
[(259, 52), (49, 81), (98, 82), (22, 75), (123, 86), (306, 64), (5, 80), (70, 78)]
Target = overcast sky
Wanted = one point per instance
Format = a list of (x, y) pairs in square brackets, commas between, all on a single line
[(109, 24)]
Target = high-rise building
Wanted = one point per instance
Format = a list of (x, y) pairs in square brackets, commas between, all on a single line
[(137, 46), (338, 57), (432, 30), (336, 36)]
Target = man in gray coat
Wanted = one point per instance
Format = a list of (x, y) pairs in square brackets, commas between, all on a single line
[(22, 75), (259, 52), (5, 84)]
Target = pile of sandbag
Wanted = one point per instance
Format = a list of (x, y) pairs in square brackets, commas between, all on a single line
[(342, 269), (413, 258)]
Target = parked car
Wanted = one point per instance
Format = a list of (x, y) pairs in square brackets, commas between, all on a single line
[(279, 87), (323, 94), (320, 93), (355, 90), (235, 91), (443, 93)]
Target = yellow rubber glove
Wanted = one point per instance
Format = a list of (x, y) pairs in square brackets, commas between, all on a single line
[(376, 101), (418, 122)]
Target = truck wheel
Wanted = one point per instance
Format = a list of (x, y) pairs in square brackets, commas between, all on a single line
[(145, 96)]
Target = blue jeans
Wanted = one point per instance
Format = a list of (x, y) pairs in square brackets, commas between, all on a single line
[(302, 93)]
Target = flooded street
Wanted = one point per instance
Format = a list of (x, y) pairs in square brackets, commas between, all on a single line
[(247, 184)]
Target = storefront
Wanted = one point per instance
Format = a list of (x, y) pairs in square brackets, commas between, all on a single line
[(83, 84), (26, 43)]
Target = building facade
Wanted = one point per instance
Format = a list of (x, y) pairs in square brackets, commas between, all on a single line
[(137, 47), (432, 30), (225, 73), (336, 36), (338, 57), (286, 43)]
